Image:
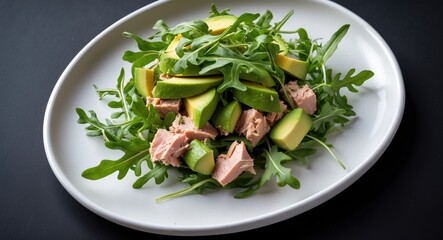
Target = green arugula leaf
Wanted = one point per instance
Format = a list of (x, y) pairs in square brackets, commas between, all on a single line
[(303, 151), (329, 48), (273, 167), (349, 80), (159, 173), (145, 45), (328, 116), (202, 44), (134, 151), (194, 188), (231, 64), (214, 12), (127, 135)]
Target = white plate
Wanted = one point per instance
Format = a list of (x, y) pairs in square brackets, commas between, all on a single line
[(379, 106)]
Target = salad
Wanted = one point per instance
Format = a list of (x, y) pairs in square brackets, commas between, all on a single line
[(225, 101)]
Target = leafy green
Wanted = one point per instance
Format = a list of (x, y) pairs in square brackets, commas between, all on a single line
[(159, 173), (273, 167), (214, 11), (131, 134)]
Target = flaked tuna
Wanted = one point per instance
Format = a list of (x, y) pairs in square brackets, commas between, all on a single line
[(273, 117), (164, 106), (229, 166), (253, 125), (303, 97), (167, 147), (185, 125)]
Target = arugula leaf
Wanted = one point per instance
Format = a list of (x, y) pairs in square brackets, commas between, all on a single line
[(349, 81), (128, 135), (145, 45), (303, 150), (214, 12), (197, 187), (202, 44), (159, 173), (327, 117), (134, 151), (329, 48), (231, 65), (273, 167)]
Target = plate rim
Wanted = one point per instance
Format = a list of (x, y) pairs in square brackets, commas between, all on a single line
[(247, 224)]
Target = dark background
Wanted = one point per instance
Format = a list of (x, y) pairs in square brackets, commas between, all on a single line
[(400, 197)]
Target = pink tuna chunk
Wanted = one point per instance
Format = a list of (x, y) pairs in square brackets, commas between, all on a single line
[(273, 117), (253, 125), (303, 97), (164, 106), (168, 147), (229, 166), (183, 124)]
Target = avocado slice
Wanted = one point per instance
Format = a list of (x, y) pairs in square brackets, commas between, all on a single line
[(259, 97), (183, 87), (292, 66), (201, 107), (226, 117), (219, 24), (144, 81), (199, 157), (291, 129)]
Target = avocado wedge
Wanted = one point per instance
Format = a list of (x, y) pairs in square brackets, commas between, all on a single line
[(219, 24), (259, 97), (183, 87), (201, 107), (226, 117), (144, 81), (291, 129), (290, 65), (199, 157)]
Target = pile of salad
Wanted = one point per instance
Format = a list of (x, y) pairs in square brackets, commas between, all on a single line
[(225, 101)]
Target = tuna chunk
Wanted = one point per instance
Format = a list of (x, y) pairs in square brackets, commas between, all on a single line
[(229, 166), (183, 124), (168, 147), (164, 106), (273, 117), (303, 97), (253, 125)]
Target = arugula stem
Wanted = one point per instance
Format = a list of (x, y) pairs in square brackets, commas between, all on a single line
[(283, 21), (323, 70), (329, 150), (125, 104), (287, 32), (186, 191), (319, 85)]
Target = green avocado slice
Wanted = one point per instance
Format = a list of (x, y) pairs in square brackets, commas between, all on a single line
[(259, 97), (291, 129), (201, 107), (226, 117), (184, 87), (292, 66), (199, 157), (219, 24), (144, 81)]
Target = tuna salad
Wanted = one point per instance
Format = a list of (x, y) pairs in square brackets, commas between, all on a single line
[(226, 101)]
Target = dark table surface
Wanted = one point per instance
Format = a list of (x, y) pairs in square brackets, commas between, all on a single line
[(400, 197)]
